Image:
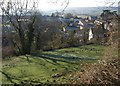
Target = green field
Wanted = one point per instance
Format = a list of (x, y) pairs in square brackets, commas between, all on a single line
[(49, 66)]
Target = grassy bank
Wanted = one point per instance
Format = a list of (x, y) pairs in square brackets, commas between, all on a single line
[(49, 66), (104, 72)]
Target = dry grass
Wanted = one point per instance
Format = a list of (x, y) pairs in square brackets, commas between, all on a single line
[(103, 72)]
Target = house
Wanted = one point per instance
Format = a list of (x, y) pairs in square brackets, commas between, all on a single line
[(90, 34), (71, 28), (98, 22), (92, 18), (107, 25), (83, 16), (107, 15), (85, 29)]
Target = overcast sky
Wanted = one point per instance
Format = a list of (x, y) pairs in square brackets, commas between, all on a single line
[(50, 4), (45, 5)]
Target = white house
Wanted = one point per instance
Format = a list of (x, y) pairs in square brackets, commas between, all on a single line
[(107, 25), (81, 25), (90, 34), (64, 29)]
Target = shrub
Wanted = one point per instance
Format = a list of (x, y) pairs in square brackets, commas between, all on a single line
[(8, 51)]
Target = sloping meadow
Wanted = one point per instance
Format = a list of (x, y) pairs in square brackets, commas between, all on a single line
[(49, 66)]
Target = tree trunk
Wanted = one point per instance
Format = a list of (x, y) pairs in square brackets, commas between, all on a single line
[(30, 36), (26, 43), (37, 46)]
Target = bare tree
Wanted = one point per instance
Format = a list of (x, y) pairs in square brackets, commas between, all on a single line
[(22, 16), (63, 3), (108, 3)]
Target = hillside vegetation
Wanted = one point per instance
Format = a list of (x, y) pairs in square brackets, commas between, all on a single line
[(51, 66), (104, 71)]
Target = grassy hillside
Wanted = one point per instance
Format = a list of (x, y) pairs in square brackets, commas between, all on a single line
[(105, 72), (50, 66)]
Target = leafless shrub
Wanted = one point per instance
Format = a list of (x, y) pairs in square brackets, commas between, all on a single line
[(7, 51)]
